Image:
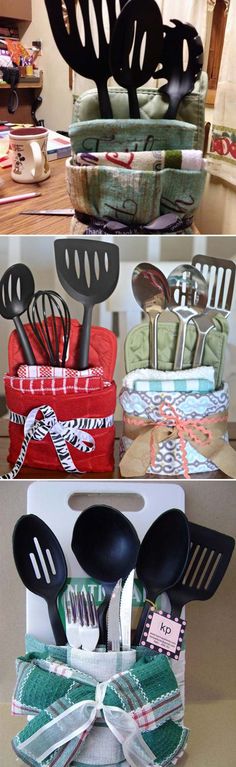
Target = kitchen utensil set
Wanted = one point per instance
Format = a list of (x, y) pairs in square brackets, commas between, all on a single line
[(87, 270), (183, 559), (130, 47), (196, 293)]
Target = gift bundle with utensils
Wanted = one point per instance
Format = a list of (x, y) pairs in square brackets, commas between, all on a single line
[(130, 42), (59, 389), (174, 400), (121, 702)]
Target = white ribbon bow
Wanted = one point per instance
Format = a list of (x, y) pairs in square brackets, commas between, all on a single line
[(79, 719)]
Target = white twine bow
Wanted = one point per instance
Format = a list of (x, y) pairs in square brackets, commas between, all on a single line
[(78, 720), (60, 433)]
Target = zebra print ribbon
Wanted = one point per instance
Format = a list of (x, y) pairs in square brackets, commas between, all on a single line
[(60, 433)]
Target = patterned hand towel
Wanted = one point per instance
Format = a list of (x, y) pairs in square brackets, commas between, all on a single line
[(186, 159), (141, 706)]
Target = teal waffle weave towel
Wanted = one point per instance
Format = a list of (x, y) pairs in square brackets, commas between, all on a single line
[(141, 706)]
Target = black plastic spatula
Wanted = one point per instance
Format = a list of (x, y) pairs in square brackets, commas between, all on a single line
[(16, 293), (41, 565), (76, 41), (136, 47), (180, 80), (209, 556), (88, 270)]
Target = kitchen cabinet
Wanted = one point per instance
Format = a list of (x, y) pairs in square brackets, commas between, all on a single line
[(19, 10)]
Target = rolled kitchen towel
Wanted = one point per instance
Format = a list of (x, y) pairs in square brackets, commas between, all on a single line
[(142, 707), (201, 379), (186, 159)]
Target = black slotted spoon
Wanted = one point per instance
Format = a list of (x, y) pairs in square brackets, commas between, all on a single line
[(208, 559), (139, 23), (180, 81), (82, 57), (88, 270), (41, 565), (16, 293)]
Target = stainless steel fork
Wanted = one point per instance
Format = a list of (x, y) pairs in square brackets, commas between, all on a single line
[(82, 628)]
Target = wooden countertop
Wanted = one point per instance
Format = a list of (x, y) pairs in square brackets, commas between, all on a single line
[(28, 473), (53, 195)]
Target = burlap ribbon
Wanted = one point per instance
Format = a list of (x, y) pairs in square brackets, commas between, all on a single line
[(204, 434)]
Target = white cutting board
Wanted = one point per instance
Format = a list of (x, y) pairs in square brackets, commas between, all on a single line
[(49, 501)]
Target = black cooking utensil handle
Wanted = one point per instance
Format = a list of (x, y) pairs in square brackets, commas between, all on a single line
[(104, 102), (102, 612), (85, 338), (141, 623), (56, 624), (134, 110), (24, 341)]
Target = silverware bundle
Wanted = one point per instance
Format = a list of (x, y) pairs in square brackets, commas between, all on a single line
[(194, 295)]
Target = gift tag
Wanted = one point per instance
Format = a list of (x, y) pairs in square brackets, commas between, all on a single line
[(163, 633)]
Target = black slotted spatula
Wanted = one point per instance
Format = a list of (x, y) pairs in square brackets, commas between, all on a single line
[(41, 565), (209, 557), (88, 271)]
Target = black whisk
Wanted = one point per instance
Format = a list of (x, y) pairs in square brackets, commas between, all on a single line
[(46, 308)]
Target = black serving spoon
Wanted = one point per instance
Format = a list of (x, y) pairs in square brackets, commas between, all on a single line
[(106, 546), (41, 565), (16, 293), (88, 270), (136, 47), (162, 558), (80, 53), (180, 81), (208, 559)]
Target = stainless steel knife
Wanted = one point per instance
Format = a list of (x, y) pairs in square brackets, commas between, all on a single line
[(52, 212), (126, 611), (113, 619)]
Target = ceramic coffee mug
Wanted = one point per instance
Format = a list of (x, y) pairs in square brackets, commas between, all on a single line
[(28, 147)]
